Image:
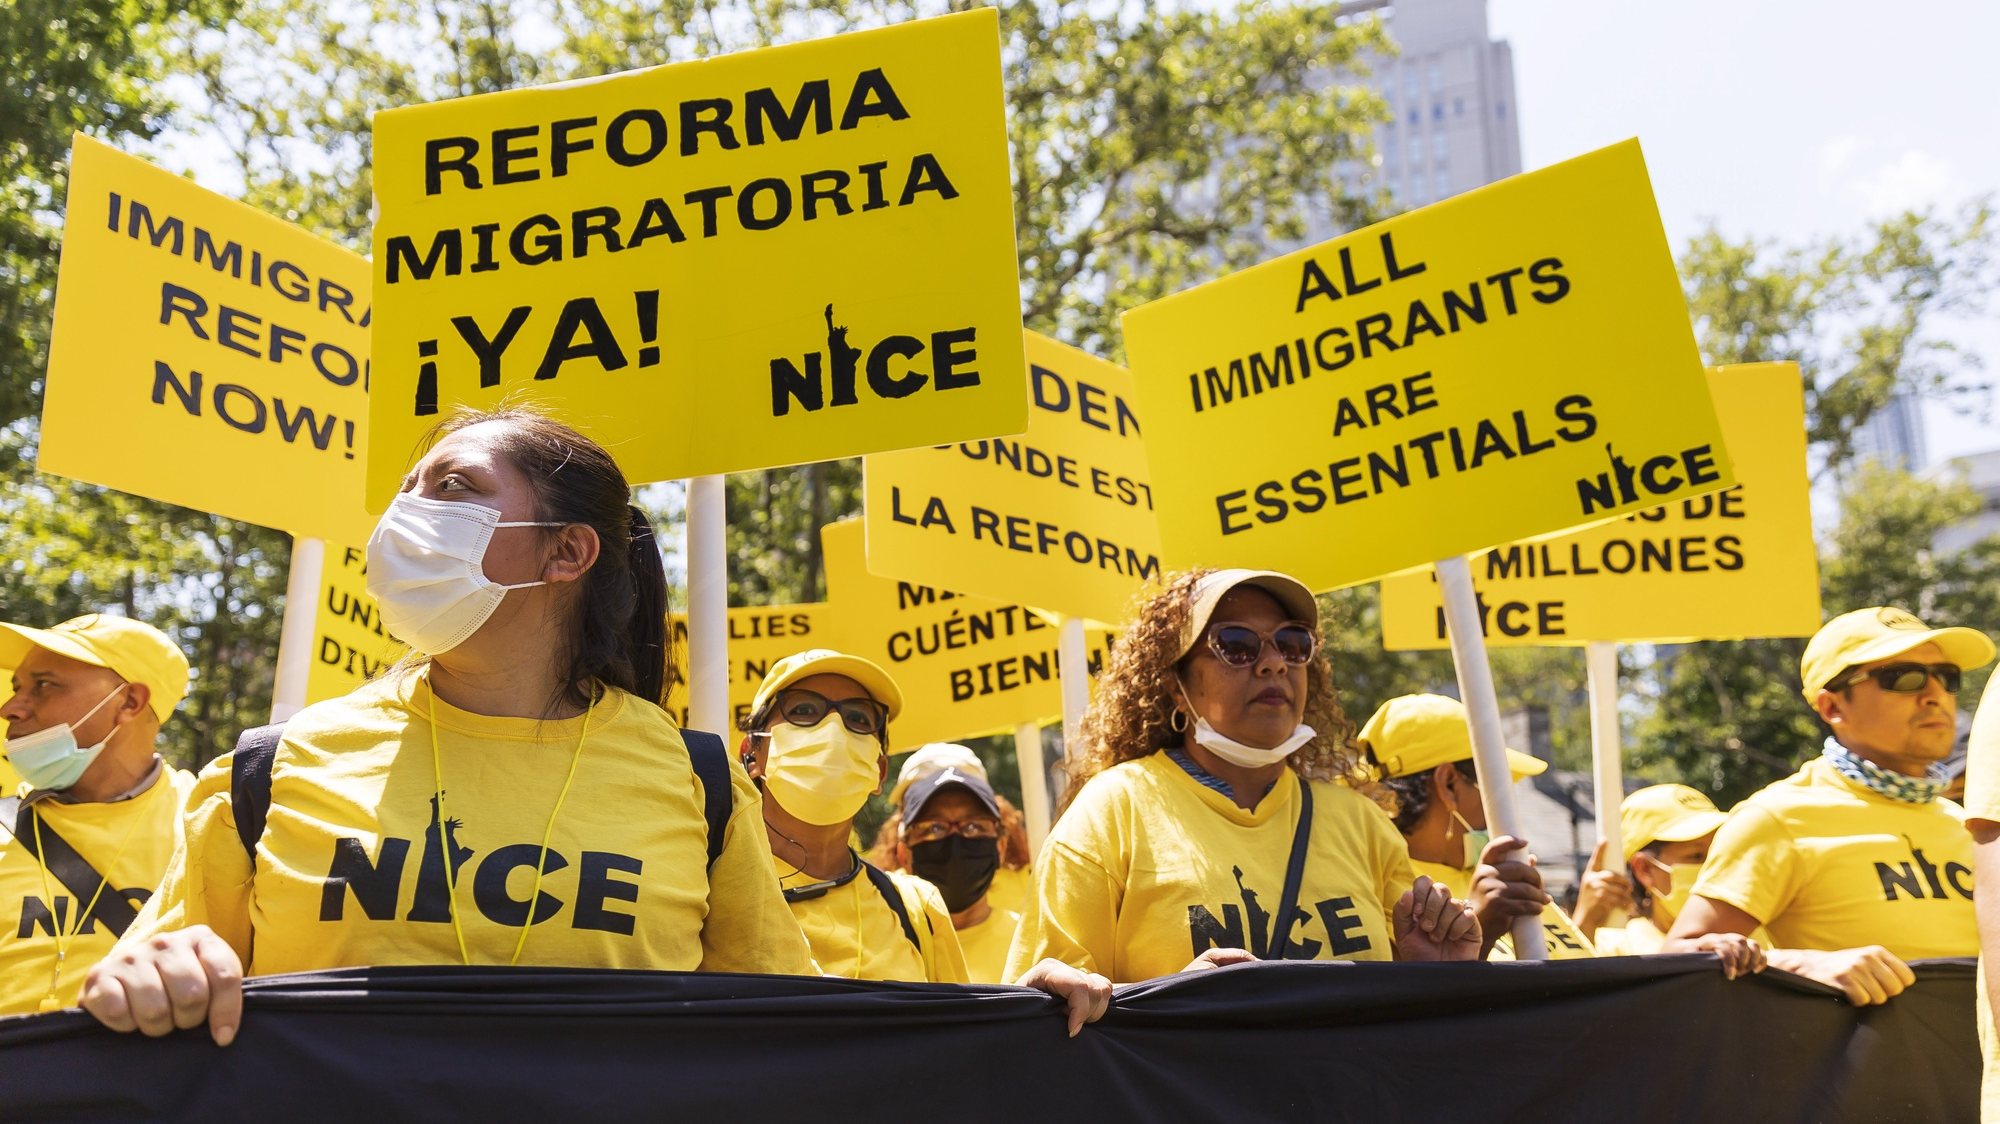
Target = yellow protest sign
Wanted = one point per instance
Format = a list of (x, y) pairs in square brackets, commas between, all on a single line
[(206, 354), (1727, 565), (350, 643), (1060, 517), (968, 666), (772, 257), (1509, 363), (758, 638)]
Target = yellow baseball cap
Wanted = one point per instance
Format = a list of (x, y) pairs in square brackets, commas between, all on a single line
[(1412, 733), (139, 653), (1665, 813), (1210, 589), (826, 661), (1867, 635)]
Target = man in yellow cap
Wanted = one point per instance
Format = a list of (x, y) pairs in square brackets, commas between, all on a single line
[(817, 742), (87, 834), (1854, 864), (1423, 748)]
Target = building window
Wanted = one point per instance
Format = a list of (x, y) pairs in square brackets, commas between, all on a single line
[(1410, 89), (1437, 146), (1500, 109), (1444, 186), (1437, 111), (1458, 107), (1437, 79), (1416, 116), (1388, 149)]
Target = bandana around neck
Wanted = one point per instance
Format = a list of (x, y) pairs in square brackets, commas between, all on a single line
[(1895, 786)]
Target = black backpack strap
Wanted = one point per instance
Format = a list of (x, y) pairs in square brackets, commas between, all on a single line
[(1295, 872), (250, 782), (886, 886), (70, 868), (710, 759)]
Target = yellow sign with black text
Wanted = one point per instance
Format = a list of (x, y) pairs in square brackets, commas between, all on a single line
[(967, 666), (778, 256), (351, 645), (1060, 517), (1727, 565), (206, 354), (758, 638), (1509, 363)]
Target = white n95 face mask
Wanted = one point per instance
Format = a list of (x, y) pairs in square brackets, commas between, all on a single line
[(426, 570)]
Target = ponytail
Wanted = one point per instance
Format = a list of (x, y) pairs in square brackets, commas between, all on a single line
[(653, 671)]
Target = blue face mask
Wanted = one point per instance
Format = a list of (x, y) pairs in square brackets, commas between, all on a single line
[(51, 759)]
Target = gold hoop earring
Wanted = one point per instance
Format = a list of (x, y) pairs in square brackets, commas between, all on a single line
[(1178, 721)]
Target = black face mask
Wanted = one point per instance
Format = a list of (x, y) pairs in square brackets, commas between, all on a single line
[(960, 868)]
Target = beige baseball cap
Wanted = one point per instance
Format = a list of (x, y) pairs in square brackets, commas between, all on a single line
[(1211, 588), (1877, 633)]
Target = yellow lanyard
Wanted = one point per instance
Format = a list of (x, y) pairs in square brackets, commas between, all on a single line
[(49, 1001), (450, 878)]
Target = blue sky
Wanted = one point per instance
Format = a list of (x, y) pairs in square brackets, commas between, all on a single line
[(1776, 120)]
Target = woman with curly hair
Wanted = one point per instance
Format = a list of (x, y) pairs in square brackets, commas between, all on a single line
[(1205, 820)]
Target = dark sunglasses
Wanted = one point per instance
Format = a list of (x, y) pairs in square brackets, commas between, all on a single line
[(806, 708), (1903, 678), (1239, 645)]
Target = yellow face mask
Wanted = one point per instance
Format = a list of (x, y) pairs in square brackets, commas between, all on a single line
[(1681, 879), (822, 774)]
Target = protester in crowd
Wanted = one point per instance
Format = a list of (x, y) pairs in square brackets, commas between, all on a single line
[(1666, 831), (1422, 747), (1852, 863), (951, 829), (524, 746), (1203, 816), (817, 742), (1982, 819), (95, 816), (1010, 888)]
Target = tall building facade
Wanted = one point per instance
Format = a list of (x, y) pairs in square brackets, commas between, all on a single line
[(1894, 436)]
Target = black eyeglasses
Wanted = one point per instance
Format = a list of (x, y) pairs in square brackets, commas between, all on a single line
[(1239, 645), (806, 708), (1902, 678)]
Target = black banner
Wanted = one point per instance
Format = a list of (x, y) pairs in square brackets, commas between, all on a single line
[(1622, 1038)]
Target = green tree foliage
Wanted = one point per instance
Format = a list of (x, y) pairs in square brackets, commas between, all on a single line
[(1866, 318)]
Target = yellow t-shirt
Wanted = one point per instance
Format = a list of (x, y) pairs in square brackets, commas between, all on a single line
[(1637, 937), (1825, 863), (127, 841), (985, 945), (350, 870), (1564, 941), (854, 933), (1982, 802), (1011, 888), (1149, 867)]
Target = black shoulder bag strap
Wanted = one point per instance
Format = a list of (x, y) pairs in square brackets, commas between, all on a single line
[(886, 886), (710, 759), (1295, 872), (250, 782), (70, 868)]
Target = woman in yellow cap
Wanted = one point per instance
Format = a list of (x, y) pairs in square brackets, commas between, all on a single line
[(1422, 747), (1666, 831), (816, 741), (1204, 820), (513, 795)]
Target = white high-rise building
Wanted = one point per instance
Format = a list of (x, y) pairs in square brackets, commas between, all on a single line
[(1894, 436), (1453, 121)]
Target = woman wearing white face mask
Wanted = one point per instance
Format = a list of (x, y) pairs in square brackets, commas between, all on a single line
[(817, 741), (511, 795), (1203, 819)]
